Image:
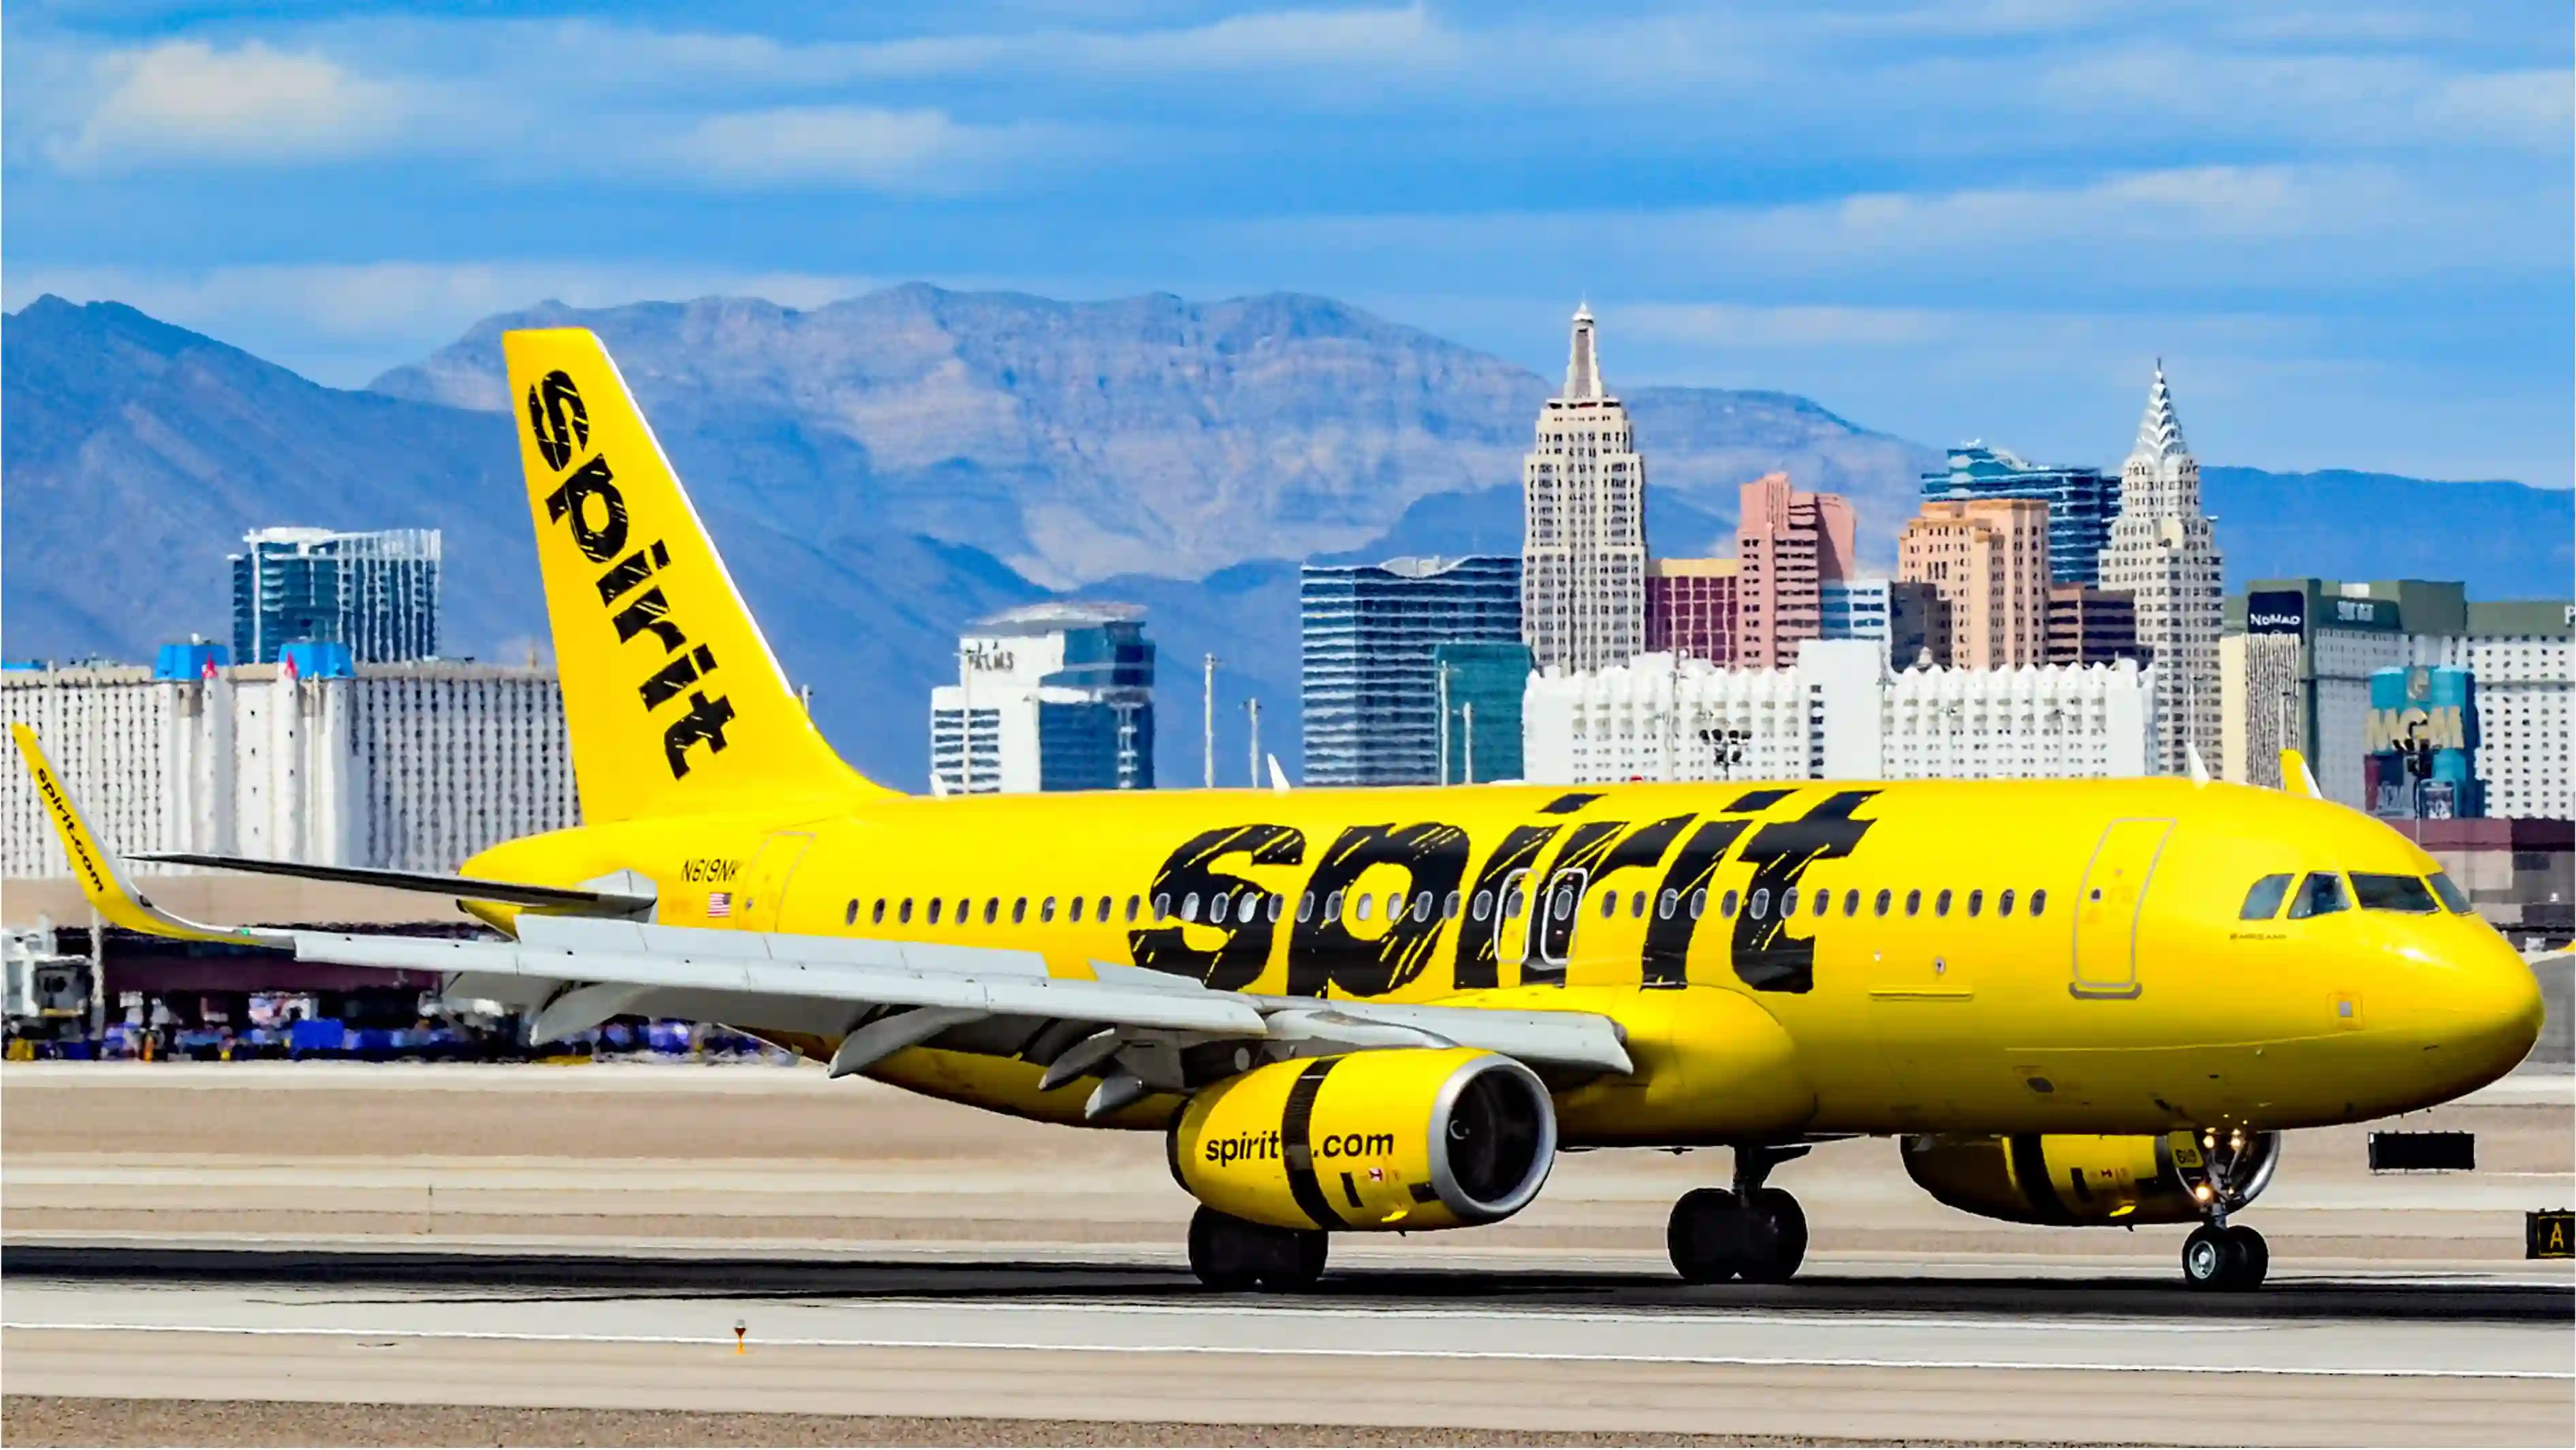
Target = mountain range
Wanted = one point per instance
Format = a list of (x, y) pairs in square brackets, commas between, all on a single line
[(883, 470)]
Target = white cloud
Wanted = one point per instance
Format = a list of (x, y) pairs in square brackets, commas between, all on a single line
[(915, 150), (185, 100)]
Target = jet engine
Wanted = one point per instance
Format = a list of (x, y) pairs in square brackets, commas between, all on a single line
[(1392, 1138), (2083, 1178)]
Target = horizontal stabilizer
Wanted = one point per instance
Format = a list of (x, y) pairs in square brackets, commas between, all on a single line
[(574, 899)]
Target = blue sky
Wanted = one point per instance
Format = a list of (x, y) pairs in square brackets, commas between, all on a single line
[(2346, 227)]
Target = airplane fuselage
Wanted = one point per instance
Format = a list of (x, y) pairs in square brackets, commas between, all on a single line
[(1787, 958)]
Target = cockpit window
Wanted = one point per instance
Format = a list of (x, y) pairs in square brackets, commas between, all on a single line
[(2392, 893), (2320, 895), (2264, 901), (2450, 892)]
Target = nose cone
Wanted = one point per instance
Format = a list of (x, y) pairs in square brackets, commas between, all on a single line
[(2494, 1013)]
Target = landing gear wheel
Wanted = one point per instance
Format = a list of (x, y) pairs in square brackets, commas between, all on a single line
[(2216, 1258), (1776, 1237), (2254, 1257), (1706, 1236), (1235, 1254)]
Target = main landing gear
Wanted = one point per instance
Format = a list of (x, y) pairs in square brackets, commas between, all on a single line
[(1232, 1253), (2225, 1256), (1750, 1232)]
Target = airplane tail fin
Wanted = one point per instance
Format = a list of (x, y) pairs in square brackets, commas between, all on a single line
[(673, 700)]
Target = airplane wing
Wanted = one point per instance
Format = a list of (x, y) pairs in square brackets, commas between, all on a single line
[(879, 996)]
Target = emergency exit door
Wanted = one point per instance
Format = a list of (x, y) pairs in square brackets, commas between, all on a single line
[(770, 872), (2110, 905)]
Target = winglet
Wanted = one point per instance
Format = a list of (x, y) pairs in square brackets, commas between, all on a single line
[(2199, 767), (2296, 777), (1278, 777), (102, 876)]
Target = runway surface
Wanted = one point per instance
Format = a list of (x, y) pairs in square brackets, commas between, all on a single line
[(587, 1241)]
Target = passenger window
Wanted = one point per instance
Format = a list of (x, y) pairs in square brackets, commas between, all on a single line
[(1395, 906), (1132, 903), (1851, 903), (1824, 901), (1760, 905), (1913, 902), (1020, 911), (903, 913), (935, 904), (1218, 905), (1278, 904), (1515, 902), (850, 917), (1637, 906), (1941, 903), (2378, 892), (1190, 907), (2450, 892), (876, 913), (1726, 907), (2039, 901), (1365, 906), (1305, 906), (1073, 909), (992, 909), (1449, 907), (1162, 907), (1666, 904), (2003, 903), (2263, 902), (1422, 906), (1484, 905), (1333, 907), (2320, 895), (1609, 904), (1879, 907), (1788, 903), (1976, 902), (1699, 902)]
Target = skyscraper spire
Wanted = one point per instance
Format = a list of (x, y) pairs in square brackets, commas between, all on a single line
[(2160, 432), (1583, 367)]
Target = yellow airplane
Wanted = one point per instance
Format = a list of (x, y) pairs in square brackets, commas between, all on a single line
[(2076, 1002)]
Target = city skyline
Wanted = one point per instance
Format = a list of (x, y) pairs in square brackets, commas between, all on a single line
[(1949, 222)]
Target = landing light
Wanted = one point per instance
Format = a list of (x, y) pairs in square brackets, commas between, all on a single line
[(2200, 1191)]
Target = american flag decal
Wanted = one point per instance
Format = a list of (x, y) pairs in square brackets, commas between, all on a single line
[(719, 903)]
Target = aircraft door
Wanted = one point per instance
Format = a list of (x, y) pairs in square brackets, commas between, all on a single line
[(1556, 914), (1512, 922), (766, 890), (2108, 907)]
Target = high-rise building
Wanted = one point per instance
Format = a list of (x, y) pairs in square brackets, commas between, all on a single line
[(2081, 502), (1905, 618), (1371, 687), (2296, 667), (1481, 687), (2164, 555), (2091, 626), (1056, 696), (1690, 608), (376, 592), (411, 766), (1988, 560), (1583, 589), (2422, 736), (1839, 713), (1788, 544)]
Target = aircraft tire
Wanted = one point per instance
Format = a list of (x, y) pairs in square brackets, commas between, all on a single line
[(2212, 1258), (1225, 1251), (1776, 1237), (2254, 1257), (1707, 1235), (1296, 1260)]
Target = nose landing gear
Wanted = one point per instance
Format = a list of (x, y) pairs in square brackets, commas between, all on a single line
[(1751, 1232), (2226, 1173)]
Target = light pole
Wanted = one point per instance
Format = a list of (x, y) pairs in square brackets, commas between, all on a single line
[(1467, 722), (1252, 766), (1442, 733), (1207, 719)]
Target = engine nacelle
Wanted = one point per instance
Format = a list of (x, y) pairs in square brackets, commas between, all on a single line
[(2086, 1178), (1394, 1138)]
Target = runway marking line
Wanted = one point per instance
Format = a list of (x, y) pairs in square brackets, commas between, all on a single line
[(1000, 1346)]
